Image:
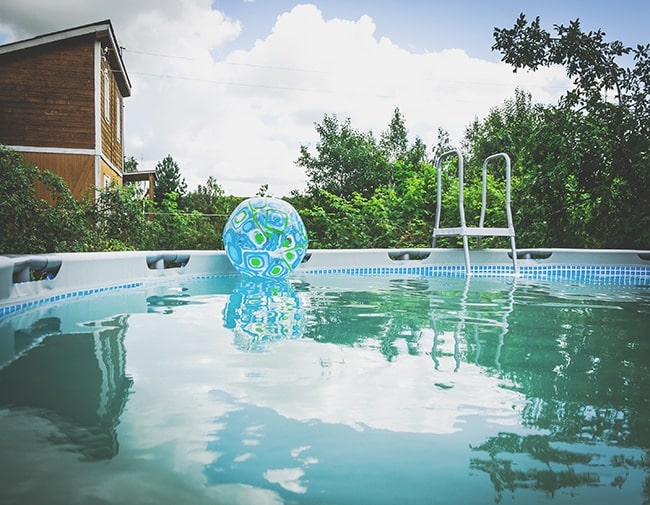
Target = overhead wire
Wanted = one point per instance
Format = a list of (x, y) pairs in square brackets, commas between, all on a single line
[(283, 68), (244, 84), (234, 63), (235, 83)]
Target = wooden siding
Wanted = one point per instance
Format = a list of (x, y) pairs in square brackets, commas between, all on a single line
[(47, 95), (111, 140), (107, 171), (77, 170)]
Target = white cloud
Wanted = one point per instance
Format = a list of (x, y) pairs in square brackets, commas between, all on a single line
[(242, 119)]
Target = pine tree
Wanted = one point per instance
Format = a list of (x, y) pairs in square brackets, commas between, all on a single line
[(169, 180)]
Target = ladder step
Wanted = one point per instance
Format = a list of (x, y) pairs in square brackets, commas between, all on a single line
[(474, 232), (489, 232)]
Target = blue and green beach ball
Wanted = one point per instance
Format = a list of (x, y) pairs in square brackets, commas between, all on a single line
[(265, 237)]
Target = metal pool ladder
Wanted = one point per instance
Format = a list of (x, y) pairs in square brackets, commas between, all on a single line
[(479, 231)]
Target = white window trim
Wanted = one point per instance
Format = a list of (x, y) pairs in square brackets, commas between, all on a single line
[(118, 120), (107, 96)]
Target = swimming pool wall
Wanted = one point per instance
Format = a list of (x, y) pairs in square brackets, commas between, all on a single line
[(73, 275), (27, 281)]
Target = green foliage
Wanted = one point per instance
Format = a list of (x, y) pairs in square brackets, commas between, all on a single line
[(356, 222), (509, 127), (347, 161), (61, 222), (17, 201), (552, 201), (130, 165), (212, 207), (169, 180), (113, 219), (31, 225), (588, 159), (394, 141), (208, 199), (367, 193), (404, 159), (588, 59), (263, 191), (413, 208), (117, 220), (388, 218), (176, 229)]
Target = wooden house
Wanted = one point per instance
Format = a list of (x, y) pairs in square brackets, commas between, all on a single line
[(61, 104)]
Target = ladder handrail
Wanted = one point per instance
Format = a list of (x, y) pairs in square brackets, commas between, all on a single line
[(464, 231), (484, 188), (461, 205)]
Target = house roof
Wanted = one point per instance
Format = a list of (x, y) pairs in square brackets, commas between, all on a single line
[(103, 30), (139, 175)]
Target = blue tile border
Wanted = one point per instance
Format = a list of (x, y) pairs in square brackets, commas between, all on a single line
[(12, 309), (593, 274), (212, 276), (600, 274)]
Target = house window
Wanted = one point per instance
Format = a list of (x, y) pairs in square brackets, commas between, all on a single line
[(118, 120), (107, 96)]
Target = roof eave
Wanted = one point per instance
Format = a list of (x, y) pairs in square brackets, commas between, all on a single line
[(103, 30)]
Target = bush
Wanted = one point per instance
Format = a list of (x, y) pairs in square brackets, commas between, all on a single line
[(32, 225)]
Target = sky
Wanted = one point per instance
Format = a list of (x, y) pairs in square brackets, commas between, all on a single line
[(231, 89)]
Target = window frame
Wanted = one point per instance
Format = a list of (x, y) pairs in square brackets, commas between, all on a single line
[(107, 97), (118, 120)]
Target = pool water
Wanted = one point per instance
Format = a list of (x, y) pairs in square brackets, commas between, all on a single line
[(330, 390)]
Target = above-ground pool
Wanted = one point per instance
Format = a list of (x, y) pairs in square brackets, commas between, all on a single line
[(384, 387)]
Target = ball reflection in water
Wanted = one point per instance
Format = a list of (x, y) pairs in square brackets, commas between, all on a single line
[(260, 311)]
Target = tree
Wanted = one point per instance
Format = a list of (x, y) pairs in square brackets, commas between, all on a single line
[(169, 180), (130, 165), (176, 228), (514, 127), (394, 140), (508, 127), (443, 142), (117, 220), (368, 193), (403, 159), (346, 160), (213, 209), (605, 121), (208, 198), (588, 59), (31, 225), (263, 191)]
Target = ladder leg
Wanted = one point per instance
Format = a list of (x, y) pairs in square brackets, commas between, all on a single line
[(466, 249), (515, 265)]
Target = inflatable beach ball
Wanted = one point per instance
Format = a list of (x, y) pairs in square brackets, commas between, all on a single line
[(265, 237)]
